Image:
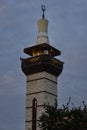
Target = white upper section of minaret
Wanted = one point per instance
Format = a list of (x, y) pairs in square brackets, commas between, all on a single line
[(42, 36)]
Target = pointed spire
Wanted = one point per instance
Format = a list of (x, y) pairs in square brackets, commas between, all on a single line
[(42, 28)]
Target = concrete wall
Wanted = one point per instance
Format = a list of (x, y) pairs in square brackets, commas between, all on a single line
[(42, 86)]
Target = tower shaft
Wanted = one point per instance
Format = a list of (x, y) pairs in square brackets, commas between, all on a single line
[(43, 87)]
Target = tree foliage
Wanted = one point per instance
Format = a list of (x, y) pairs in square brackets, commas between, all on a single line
[(65, 118)]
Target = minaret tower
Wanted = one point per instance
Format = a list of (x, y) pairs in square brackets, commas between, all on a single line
[(41, 70)]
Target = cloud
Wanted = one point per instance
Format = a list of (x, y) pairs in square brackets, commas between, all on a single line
[(18, 29)]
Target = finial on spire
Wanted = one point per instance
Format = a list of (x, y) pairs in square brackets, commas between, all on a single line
[(42, 36), (43, 9)]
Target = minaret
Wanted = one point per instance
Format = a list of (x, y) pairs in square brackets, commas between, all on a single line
[(41, 70)]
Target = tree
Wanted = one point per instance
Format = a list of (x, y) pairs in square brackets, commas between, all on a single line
[(65, 118)]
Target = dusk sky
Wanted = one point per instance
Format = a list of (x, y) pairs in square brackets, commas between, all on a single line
[(18, 30)]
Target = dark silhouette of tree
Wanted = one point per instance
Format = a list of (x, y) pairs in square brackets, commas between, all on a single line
[(65, 118)]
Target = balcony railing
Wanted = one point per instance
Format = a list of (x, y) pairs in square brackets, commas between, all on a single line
[(41, 59), (42, 63)]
